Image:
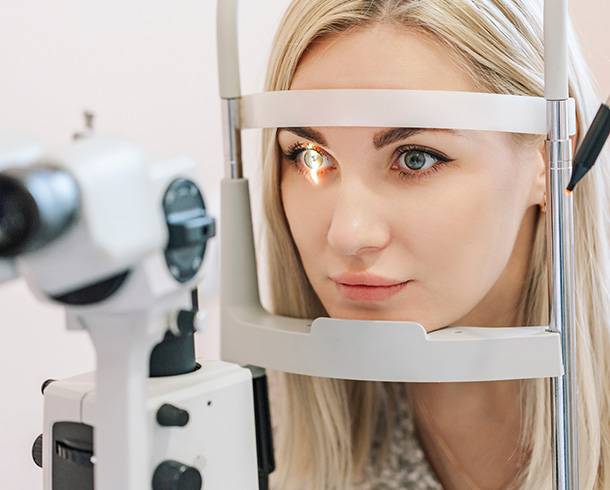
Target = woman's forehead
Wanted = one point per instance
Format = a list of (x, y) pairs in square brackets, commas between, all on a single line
[(380, 56)]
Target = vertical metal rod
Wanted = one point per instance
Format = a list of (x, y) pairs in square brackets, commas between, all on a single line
[(232, 138), (560, 249), (229, 84)]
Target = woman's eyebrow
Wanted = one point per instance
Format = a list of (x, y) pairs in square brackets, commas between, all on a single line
[(389, 136), (380, 139), (307, 133)]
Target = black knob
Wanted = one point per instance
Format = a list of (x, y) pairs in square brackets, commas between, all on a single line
[(37, 451), (189, 229), (192, 231), (171, 416), (172, 475)]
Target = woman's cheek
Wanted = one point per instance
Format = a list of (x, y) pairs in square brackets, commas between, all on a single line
[(455, 245)]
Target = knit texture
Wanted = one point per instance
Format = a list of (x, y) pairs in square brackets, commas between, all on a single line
[(406, 467)]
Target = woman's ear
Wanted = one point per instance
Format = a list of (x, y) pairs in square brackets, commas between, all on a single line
[(539, 187), (538, 195)]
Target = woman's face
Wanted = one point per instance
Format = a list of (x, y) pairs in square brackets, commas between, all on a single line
[(431, 226)]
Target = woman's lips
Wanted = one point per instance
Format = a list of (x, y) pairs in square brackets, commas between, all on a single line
[(367, 287)]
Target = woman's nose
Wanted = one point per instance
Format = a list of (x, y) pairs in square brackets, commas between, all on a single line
[(355, 226)]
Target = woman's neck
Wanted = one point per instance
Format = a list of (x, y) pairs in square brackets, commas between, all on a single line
[(470, 432)]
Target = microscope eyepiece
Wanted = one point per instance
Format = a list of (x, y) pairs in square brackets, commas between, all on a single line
[(37, 204), (18, 217)]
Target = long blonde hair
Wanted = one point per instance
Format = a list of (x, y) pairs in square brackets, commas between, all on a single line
[(326, 427)]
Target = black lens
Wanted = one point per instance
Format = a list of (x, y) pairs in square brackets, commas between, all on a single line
[(18, 216), (37, 205)]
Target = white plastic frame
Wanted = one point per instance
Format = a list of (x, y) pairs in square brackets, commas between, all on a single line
[(409, 109)]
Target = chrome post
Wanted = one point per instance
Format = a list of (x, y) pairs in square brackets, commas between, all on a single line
[(560, 257), (232, 138)]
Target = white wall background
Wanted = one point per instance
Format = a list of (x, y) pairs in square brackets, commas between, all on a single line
[(147, 68)]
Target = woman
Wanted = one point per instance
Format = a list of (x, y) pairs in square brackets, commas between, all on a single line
[(443, 228)]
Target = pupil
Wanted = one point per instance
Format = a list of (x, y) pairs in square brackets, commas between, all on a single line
[(416, 160), (312, 159)]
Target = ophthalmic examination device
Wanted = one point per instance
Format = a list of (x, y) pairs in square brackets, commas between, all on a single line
[(119, 240)]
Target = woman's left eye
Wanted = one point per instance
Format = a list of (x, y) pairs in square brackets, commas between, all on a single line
[(418, 162)]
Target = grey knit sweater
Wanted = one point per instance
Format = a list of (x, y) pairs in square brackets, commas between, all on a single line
[(407, 467)]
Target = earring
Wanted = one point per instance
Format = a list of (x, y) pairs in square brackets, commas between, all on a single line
[(543, 205)]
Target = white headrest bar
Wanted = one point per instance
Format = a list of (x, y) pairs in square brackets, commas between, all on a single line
[(397, 108)]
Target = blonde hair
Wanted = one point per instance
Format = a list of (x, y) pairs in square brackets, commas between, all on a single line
[(327, 427)]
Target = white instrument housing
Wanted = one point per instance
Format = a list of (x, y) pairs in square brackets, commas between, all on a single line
[(219, 439)]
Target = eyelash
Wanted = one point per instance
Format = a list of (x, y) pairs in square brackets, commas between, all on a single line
[(297, 148)]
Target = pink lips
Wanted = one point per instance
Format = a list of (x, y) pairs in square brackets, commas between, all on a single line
[(362, 286)]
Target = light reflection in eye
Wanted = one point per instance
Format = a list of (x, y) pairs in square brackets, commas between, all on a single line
[(309, 160), (314, 162)]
